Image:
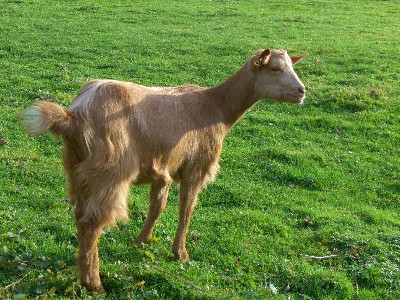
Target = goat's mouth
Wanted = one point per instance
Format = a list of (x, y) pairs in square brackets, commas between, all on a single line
[(297, 99)]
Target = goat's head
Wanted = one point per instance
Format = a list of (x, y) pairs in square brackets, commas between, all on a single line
[(275, 77)]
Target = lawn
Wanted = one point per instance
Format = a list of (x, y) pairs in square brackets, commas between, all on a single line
[(306, 205)]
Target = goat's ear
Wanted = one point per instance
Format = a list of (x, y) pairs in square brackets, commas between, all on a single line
[(264, 57), (296, 59)]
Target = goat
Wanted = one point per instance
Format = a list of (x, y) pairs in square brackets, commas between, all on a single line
[(119, 133)]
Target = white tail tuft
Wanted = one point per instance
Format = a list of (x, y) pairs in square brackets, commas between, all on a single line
[(33, 120)]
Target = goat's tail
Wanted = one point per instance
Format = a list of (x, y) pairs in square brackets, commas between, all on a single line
[(44, 116)]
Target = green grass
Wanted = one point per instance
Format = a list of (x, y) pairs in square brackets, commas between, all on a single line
[(319, 179)]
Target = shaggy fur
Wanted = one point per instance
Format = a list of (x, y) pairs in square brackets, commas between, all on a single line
[(119, 133)]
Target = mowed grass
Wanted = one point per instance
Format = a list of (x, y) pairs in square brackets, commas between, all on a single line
[(306, 205)]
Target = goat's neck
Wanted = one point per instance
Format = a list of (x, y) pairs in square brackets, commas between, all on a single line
[(234, 96)]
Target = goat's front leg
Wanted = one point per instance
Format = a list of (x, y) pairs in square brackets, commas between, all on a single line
[(187, 201), (88, 257), (158, 199)]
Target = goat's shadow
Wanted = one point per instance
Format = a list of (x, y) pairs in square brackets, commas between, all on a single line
[(20, 262), (25, 269)]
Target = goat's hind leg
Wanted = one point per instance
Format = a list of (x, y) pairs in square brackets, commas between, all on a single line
[(158, 199), (88, 257), (88, 230), (100, 206)]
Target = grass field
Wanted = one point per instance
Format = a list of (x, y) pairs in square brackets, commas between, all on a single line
[(306, 205)]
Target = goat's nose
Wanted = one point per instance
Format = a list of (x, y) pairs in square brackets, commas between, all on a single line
[(302, 90)]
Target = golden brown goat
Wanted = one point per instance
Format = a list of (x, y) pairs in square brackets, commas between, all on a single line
[(119, 133)]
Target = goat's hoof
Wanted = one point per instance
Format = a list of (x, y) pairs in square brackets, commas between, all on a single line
[(97, 289), (182, 255), (140, 241)]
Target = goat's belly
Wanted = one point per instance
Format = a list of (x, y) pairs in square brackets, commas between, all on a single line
[(153, 172)]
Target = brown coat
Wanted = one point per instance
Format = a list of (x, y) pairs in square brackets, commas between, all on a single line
[(119, 133)]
